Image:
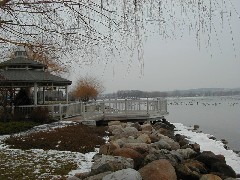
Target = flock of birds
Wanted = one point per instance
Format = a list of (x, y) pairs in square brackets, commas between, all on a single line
[(191, 103)]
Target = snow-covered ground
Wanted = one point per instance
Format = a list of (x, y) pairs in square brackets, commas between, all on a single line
[(206, 144), (54, 158)]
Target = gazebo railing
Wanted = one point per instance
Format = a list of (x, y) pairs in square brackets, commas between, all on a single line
[(102, 107)]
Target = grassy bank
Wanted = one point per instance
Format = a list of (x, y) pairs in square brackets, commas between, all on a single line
[(77, 138), (49, 154), (16, 126)]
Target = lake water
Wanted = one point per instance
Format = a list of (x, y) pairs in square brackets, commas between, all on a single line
[(219, 116)]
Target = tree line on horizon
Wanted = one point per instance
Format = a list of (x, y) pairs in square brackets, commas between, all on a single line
[(135, 94)]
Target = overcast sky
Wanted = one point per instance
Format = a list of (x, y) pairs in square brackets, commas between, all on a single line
[(176, 64)]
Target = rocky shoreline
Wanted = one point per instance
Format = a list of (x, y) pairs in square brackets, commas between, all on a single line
[(153, 151)]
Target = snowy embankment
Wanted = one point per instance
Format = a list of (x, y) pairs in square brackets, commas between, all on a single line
[(206, 144)]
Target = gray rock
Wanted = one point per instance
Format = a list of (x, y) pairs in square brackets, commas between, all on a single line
[(209, 158), (108, 148), (73, 178), (139, 147), (110, 163), (117, 131), (146, 127), (153, 155), (159, 169), (124, 174), (184, 172), (98, 176), (161, 145), (224, 169), (130, 131), (144, 138), (114, 127), (195, 127), (187, 153), (210, 177), (159, 125), (137, 126)]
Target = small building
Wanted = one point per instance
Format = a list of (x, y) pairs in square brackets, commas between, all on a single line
[(22, 72)]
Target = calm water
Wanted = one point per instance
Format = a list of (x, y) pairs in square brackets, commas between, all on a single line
[(219, 116)]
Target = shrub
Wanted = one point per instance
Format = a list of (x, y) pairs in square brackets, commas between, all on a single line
[(40, 115)]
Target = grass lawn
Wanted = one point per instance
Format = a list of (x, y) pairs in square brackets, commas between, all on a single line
[(16, 126), (49, 154)]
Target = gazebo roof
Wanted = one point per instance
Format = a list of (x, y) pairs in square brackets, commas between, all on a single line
[(29, 77), (21, 61), (21, 72)]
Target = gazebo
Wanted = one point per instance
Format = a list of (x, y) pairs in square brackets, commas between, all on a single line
[(22, 72)]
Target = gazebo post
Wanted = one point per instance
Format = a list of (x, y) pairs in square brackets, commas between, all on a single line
[(66, 91), (43, 95), (35, 94)]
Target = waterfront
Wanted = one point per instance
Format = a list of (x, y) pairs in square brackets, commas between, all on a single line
[(219, 116)]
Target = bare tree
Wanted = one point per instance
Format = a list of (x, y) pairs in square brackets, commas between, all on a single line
[(87, 88), (92, 30)]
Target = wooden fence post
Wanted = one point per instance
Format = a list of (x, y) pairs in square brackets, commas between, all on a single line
[(126, 107), (60, 111), (147, 106), (158, 105)]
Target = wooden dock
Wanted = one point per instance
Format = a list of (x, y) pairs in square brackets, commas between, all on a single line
[(108, 110)]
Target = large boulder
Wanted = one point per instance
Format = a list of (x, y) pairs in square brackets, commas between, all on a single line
[(120, 142), (190, 169), (159, 125), (144, 138), (108, 148), (161, 145), (146, 127), (196, 166), (195, 147), (210, 177), (126, 132), (73, 178), (224, 169), (173, 145), (117, 131), (179, 137), (166, 132), (124, 174), (139, 147), (173, 158), (184, 172), (117, 128), (98, 176), (187, 153), (110, 163), (155, 136), (137, 126), (130, 139), (159, 169), (130, 153), (130, 130), (209, 158)]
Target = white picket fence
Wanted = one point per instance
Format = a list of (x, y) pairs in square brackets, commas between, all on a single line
[(102, 108)]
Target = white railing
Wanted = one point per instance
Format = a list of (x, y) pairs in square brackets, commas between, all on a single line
[(102, 107)]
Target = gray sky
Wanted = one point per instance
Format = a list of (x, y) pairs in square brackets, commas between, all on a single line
[(176, 64)]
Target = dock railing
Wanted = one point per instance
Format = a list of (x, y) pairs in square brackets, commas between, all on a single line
[(102, 108)]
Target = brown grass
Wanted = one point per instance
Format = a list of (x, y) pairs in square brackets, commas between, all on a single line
[(76, 138)]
